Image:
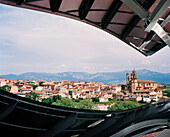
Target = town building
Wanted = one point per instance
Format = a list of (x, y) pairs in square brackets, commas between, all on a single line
[(145, 90), (134, 84), (2, 82)]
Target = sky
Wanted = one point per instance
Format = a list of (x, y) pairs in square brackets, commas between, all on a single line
[(32, 41)]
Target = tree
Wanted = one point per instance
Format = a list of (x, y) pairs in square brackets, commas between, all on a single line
[(70, 93), (64, 102), (34, 86), (6, 88), (40, 83), (80, 98), (56, 97), (152, 100), (166, 93), (47, 100), (122, 91), (86, 104), (123, 105), (29, 97), (16, 83), (35, 96), (113, 95), (142, 101), (110, 99), (95, 99)]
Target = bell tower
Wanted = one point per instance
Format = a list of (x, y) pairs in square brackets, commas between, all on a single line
[(133, 75), (128, 82), (127, 78), (133, 81)]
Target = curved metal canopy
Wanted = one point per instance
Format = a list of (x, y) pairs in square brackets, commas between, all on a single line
[(23, 117), (142, 24)]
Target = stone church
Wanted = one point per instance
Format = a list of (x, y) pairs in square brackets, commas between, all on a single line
[(133, 84)]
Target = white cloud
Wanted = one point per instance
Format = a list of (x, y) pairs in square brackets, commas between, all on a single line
[(33, 41)]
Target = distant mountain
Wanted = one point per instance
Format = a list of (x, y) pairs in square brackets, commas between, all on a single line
[(103, 77)]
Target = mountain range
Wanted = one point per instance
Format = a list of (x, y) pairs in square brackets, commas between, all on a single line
[(103, 77)]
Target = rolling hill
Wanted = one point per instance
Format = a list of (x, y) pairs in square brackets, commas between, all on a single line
[(104, 77)]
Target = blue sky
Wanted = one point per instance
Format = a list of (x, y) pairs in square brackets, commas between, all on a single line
[(32, 41)]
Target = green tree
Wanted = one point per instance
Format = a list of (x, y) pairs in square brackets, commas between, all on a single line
[(70, 93), (80, 98), (40, 83), (64, 102), (142, 101), (6, 88), (123, 105), (47, 100), (29, 97), (95, 99), (16, 83), (35, 96), (86, 104), (113, 95), (122, 91), (34, 86), (56, 97), (110, 99), (152, 100), (166, 93)]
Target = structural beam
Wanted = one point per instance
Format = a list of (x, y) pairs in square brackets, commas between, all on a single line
[(19, 2), (131, 25), (147, 40), (157, 13), (111, 13), (8, 110), (91, 132), (55, 5), (166, 21), (161, 33), (21, 127), (60, 126), (137, 8), (27, 1), (155, 48), (136, 20), (84, 8), (126, 119), (152, 34), (146, 124)]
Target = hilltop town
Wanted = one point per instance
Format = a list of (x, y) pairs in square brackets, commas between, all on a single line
[(136, 90)]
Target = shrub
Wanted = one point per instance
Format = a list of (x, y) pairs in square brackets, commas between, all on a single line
[(123, 105)]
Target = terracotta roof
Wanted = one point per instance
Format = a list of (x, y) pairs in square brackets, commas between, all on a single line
[(27, 86), (41, 81), (143, 91), (119, 93), (146, 81), (157, 88), (25, 89)]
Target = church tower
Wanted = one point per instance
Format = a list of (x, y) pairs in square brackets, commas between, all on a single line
[(134, 81), (133, 75), (128, 82), (127, 78)]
